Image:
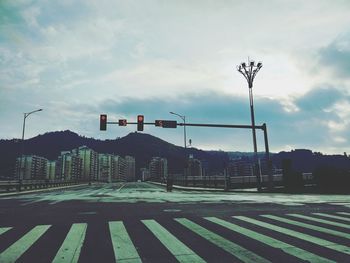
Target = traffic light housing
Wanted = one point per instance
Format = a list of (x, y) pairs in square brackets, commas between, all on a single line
[(123, 122), (140, 119), (103, 122)]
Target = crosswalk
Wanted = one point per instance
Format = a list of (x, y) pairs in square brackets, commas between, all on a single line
[(290, 237)]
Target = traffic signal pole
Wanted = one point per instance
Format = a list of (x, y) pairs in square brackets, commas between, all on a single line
[(174, 124)]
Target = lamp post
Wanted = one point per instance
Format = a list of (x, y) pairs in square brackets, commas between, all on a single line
[(183, 117), (26, 114), (249, 72)]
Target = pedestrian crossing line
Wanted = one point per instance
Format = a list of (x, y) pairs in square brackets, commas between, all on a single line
[(306, 237), (343, 213), (124, 249), (272, 242), (323, 221), (71, 246), (317, 228), (332, 216), (181, 252), (4, 229), (13, 252), (236, 250)]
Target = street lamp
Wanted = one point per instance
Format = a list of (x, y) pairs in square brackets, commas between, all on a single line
[(26, 114), (249, 72), (183, 117)]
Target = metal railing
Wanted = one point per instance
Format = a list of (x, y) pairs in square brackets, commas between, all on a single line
[(13, 185)]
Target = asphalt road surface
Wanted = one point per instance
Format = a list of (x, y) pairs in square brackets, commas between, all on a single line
[(141, 222)]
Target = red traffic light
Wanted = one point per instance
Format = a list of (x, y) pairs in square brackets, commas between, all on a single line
[(140, 120), (103, 122)]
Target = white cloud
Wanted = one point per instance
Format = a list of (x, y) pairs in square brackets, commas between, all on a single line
[(65, 54)]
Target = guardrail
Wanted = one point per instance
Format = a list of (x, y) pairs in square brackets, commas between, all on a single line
[(220, 181), (8, 186)]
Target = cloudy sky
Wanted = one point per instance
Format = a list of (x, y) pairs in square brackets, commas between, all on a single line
[(78, 59)]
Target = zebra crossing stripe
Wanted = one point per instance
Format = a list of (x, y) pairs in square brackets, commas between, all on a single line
[(309, 238), (236, 250), (124, 249), (181, 252), (343, 213), (321, 221), (317, 228), (71, 246), (13, 252), (287, 248), (332, 216), (4, 229)]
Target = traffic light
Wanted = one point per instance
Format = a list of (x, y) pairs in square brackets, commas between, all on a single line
[(123, 122), (140, 119), (103, 122)]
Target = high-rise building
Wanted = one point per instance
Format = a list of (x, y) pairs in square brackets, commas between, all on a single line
[(89, 162), (31, 167), (69, 167), (51, 170), (106, 166), (120, 169), (130, 168), (158, 168)]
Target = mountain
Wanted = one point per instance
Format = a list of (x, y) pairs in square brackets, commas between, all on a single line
[(140, 145), (144, 146)]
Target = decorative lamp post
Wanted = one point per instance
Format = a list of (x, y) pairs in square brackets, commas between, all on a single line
[(249, 72)]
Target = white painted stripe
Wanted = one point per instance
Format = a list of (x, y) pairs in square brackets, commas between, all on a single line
[(343, 213), (285, 247), (71, 246), (15, 251), (234, 249), (124, 249), (309, 238), (313, 227), (180, 251), (4, 229), (333, 216), (315, 219)]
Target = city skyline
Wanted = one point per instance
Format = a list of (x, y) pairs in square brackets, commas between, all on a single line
[(78, 60)]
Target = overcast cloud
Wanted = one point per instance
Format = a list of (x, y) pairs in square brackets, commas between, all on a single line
[(77, 59)]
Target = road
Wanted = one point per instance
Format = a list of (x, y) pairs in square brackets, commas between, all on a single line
[(141, 222)]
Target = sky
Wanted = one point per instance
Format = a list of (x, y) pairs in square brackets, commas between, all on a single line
[(79, 59)]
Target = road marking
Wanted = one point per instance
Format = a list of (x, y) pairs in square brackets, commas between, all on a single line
[(15, 251), (120, 188), (309, 238), (321, 221), (317, 228), (332, 216), (285, 247), (124, 249), (236, 250), (71, 246), (344, 213), (4, 229), (181, 252)]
